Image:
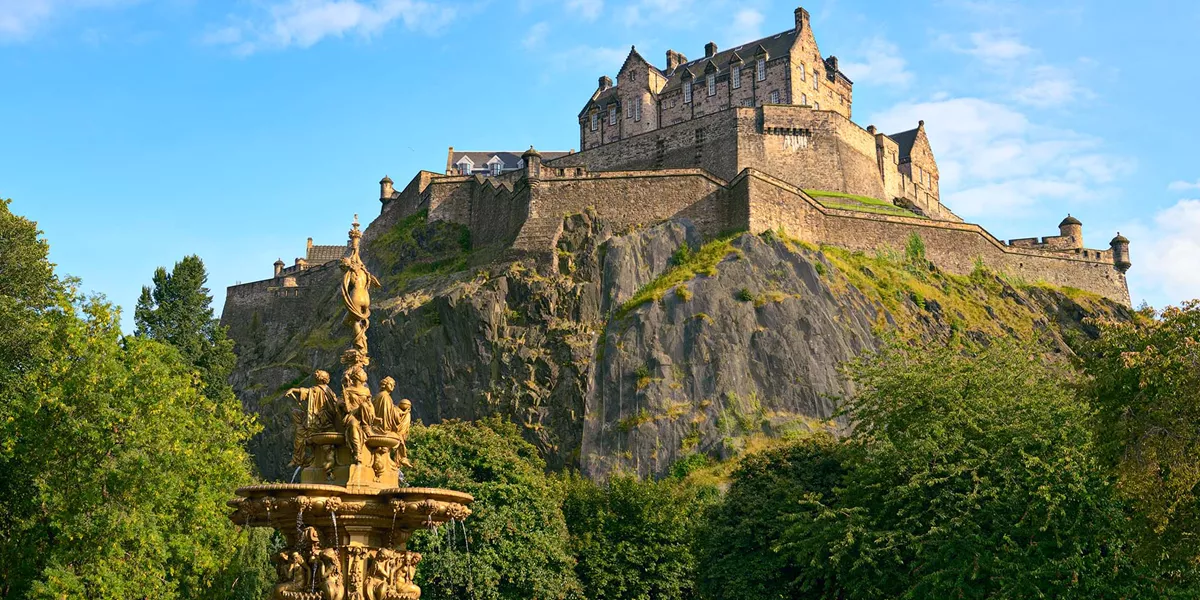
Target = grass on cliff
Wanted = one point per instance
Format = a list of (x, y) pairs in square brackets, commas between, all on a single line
[(687, 265), (416, 247), (858, 203)]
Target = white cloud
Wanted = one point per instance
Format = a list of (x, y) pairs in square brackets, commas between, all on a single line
[(21, 19), (988, 46), (1174, 243), (746, 26), (305, 22), (588, 9), (1050, 86), (993, 161), (536, 35), (658, 12), (881, 64), (1182, 186)]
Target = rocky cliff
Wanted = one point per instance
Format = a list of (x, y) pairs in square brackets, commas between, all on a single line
[(644, 347)]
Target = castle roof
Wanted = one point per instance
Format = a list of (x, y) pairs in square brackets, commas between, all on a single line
[(1070, 221), (774, 45), (905, 140), (510, 159), (634, 55), (319, 255)]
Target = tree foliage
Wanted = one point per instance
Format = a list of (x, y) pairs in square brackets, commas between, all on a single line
[(177, 310), (631, 538), (517, 536), (969, 476), (1144, 383), (738, 544)]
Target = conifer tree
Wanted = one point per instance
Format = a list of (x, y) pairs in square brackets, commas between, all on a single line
[(177, 310)]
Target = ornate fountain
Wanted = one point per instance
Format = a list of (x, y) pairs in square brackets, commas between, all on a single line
[(348, 520)]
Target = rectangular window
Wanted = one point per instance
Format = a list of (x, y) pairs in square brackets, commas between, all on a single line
[(464, 168), (816, 106), (735, 76), (774, 96), (687, 92), (595, 121), (712, 84), (762, 69), (629, 111), (612, 115), (816, 80), (803, 99), (497, 167), (637, 112), (803, 77)]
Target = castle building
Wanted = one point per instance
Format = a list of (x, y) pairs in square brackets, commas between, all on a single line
[(488, 163), (772, 102), (754, 138)]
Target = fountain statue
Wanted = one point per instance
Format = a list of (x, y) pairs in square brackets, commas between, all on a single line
[(348, 520)]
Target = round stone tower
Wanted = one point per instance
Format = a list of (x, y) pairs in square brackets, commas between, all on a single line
[(385, 188), (1073, 228), (278, 267), (1120, 252)]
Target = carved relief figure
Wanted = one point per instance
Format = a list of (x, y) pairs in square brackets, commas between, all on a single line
[(329, 573), (357, 412), (312, 414), (293, 574), (394, 421), (379, 576)]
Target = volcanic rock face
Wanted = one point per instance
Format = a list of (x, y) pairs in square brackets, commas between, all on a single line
[(644, 347)]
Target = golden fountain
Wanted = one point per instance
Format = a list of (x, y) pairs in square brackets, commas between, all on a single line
[(348, 521)]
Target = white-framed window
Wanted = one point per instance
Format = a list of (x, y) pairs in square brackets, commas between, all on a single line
[(774, 96), (762, 69), (637, 111), (687, 92), (464, 168), (816, 80), (497, 167), (612, 115), (803, 77), (735, 76), (629, 111), (804, 99), (711, 80), (595, 120)]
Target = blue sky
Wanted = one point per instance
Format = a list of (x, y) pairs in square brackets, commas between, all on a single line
[(136, 132)]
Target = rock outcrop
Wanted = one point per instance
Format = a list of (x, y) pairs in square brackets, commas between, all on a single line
[(642, 347)]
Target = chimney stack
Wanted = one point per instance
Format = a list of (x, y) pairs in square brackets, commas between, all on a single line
[(710, 50), (801, 19), (605, 82), (674, 59)]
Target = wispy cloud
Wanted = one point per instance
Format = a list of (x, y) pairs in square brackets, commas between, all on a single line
[(746, 26), (536, 35), (988, 46), (1050, 86), (1171, 245), (993, 161), (877, 62), (1183, 186), (303, 23), (588, 9), (658, 12), (21, 19)]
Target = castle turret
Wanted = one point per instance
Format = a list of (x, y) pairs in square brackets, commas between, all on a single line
[(278, 267), (533, 164), (385, 188), (1120, 252), (1072, 228)]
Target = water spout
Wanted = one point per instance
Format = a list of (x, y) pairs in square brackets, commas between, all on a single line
[(294, 474)]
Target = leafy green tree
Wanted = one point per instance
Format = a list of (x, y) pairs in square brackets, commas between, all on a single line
[(518, 539), (738, 546), (177, 310), (969, 476), (28, 288), (1144, 383), (633, 539)]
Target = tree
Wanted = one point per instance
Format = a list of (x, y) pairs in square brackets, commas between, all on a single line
[(178, 311), (517, 536), (738, 546), (633, 539), (1144, 384), (28, 288), (969, 476)]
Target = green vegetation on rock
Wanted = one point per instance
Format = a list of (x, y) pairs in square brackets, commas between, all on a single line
[(417, 247), (858, 203), (687, 265)]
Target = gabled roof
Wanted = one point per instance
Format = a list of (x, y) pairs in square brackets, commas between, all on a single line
[(905, 139), (510, 159), (634, 55), (773, 45), (601, 99), (319, 255)]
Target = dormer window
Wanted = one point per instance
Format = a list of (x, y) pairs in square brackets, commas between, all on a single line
[(464, 166), (711, 80), (497, 167), (612, 115), (687, 91), (735, 76), (762, 69), (595, 121)]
